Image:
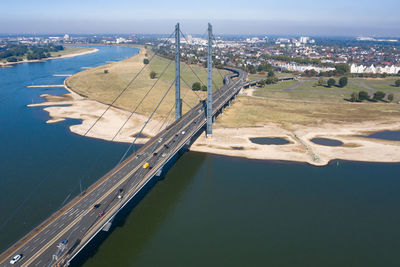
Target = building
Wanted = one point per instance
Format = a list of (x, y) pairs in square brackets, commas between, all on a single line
[(304, 40)]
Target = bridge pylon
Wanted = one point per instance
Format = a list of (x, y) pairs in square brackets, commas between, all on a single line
[(178, 100), (209, 85)]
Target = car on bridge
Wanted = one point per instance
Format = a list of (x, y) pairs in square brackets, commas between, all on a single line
[(100, 214), (146, 165), (15, 259)]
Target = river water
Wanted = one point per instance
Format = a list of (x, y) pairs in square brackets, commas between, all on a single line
[(208, 210)]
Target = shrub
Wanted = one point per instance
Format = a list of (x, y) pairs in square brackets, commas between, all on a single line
[(379, 95), (196, 86), (331, 82), (343, 81), (362, 95), (354, 97)]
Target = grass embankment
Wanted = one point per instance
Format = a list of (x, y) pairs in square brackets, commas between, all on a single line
[(292, 103), (250, 111), (104, 87), (307, 90)]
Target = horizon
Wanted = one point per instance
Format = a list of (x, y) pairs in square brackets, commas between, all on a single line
[(358, 18)]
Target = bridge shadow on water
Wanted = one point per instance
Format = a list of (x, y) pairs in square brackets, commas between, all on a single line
[(176, 176)]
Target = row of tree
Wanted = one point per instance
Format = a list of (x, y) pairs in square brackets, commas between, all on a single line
[(377, 96), (343, 81), (16, 52), (198, 87)]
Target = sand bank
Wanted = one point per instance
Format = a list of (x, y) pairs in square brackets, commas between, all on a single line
[(235, 142), (88, 111)]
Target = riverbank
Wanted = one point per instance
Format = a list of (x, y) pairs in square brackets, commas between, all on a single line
[(73, 54), (75, 106), (236, 142), (249, 117)]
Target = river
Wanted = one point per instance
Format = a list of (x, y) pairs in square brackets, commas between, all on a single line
[(208, 210)]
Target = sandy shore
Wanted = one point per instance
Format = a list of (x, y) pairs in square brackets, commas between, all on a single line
[(235, 142), (88, 111), (9, 64)]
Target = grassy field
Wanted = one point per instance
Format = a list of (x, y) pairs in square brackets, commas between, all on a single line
[(104, 87), (306, 89), (264, 76), (250, 111), (302, 102)]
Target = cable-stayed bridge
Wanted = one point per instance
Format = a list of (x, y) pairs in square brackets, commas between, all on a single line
[(62, 236)]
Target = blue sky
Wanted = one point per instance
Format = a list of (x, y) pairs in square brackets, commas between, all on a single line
[(340, 17)]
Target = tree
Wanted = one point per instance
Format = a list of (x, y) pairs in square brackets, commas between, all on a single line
[(331, 82), (261, 83), (146, 61), (271, 73), (354, 97), (379, 96), (343, 81), (321, 81), (12, 59), (153, 74), (105, 71), (203, 88), (390, 97), (362, 95), (342, 69), (196, 86), (397, 83)]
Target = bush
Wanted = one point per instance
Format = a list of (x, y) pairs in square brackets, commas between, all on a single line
[(354, 97), (153, 74), (379, 95), (146, 61), (362, 95), (105, 71), (203, 88), (196, 86), (343, 81), (331, 82), (12, 59), (397, 83), (390, 97)]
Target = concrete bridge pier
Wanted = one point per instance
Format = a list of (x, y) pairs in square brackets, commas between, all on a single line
[(108, 225), (159, 172)]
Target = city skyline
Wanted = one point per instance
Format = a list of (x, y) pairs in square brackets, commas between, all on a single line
[(344, 18)]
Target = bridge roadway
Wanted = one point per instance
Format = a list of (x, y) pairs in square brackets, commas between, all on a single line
[(78, 221)]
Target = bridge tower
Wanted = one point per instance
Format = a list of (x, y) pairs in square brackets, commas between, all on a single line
[(178, 100), (209, 85)]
